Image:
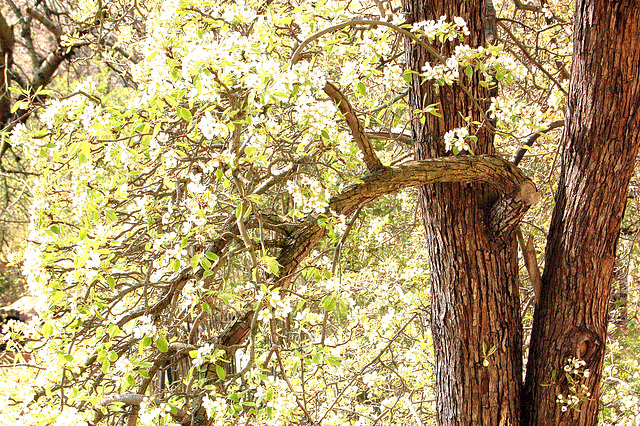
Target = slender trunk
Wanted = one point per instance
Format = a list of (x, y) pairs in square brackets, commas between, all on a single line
[(601, 142), (474, 277)]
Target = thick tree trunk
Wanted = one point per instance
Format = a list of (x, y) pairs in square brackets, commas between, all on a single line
[(601, 142), (474, 278)]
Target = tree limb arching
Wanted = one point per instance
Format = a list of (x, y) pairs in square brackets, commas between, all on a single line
[(357, 130), (515, 187), (298, 52)]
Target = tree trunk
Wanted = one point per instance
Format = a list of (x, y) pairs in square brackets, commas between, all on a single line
[(474, 277), (601, 142)]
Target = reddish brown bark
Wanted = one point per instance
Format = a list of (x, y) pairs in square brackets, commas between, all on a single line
[(474, 279), (601, 139)]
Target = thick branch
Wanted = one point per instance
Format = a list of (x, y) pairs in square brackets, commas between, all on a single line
[(507, 212), (45, 21), (505, 177), (357, 130), (43, 75), (7, 40)]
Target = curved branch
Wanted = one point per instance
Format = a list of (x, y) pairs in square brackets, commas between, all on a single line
[(390, 134), (518, 193), (298, 52), (531, 140), (357, 130)]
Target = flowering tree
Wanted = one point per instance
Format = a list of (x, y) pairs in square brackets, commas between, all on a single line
[(195, 244), (41, 45)]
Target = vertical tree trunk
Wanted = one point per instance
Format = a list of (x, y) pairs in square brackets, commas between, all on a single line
[(474, 279), (601, 142)]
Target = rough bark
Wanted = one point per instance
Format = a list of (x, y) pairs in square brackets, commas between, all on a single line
[(601, 137), (7, 41), (474, 277)]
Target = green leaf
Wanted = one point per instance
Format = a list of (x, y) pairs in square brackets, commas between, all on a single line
[(220, 372), (272, 264), (130, 380), (113, 330), (58, 296), (362, 89), (185, 114), (162, 344), (205, 263), (47, 330), (329, 303), (16, 106), (468, 71), (211, 256)]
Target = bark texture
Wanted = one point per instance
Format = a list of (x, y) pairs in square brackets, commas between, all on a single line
[(474, 279), (7, 42), (601, 142)]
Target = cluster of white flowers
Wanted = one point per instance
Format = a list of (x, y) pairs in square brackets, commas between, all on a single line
[(574, 366), (575, 372), (510, 110), (507, 64), (447, 72), (144, 328), (191, 294), (309, 195), (203, 353), (152, 414), (442, 29), (212, 128), (457, 140), (319, 115), (215, 407)]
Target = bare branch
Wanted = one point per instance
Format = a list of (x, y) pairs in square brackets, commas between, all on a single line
[(531, 263), (7, 40), (45, 21), (357, 131), (526, 53), (531, 140), (399, 135), (298, 52)]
